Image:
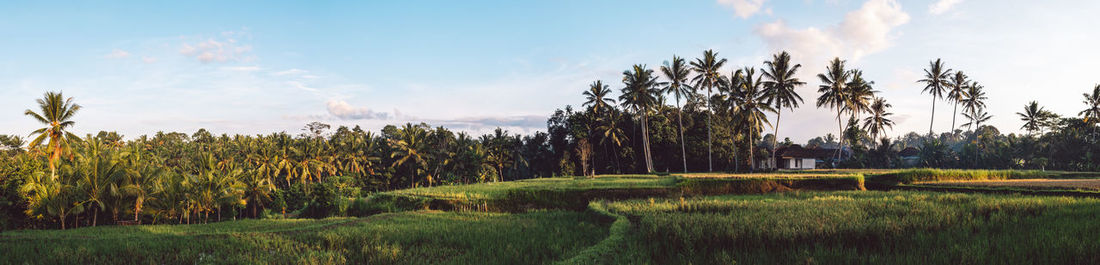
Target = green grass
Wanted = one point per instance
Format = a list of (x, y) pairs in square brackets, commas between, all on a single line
[(866, 227), (405, 238), (910, 176)]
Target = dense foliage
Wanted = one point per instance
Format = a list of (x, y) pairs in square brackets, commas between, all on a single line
[(60, 178)]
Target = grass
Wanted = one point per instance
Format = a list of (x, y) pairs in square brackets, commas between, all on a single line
[(404, 238), (910, 176), (866, 227)]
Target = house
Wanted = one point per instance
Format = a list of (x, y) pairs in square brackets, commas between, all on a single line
[(910, 156), (797, 157)]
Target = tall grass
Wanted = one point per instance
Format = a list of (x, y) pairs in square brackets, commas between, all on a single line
[(866, 228), (406, 238)]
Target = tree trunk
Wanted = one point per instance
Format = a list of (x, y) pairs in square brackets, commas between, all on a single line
[(61, 218), (680, 122), (137, 211), (645, 141), (775, 139), (95, 215), (840, 145), (710, 159), (933, 119), (954, 113)]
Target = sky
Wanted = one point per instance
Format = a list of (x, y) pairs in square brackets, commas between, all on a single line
[(257, 67)]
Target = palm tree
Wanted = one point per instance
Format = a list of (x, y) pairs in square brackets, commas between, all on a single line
[(958, 91), (936, 81), (1033, 116), (610, 131), (639, 94), (1093, 102), (973, 102), (56, 113), (52, 195), (596, 97), (143, 178), (96, 170), (708, 76), (879, 120), (780, 87), (750, 102), (677, 74), (834, 92), (976, 118), (407, 149), (860, 94)]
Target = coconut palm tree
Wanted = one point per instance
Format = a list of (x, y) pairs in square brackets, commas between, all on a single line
[(780, 85), (936, 80), (861, 94), (677, 85), (596, 97), (612, 135), (1093, 102), (976, 118), (708, 76), (958, 85), (879, 120), (96, 169), (143, 178), (1033, 116), (750, 103), (640, 95), (973, 102), (408, 150), (56, 112), (834, 92), (52, 195)]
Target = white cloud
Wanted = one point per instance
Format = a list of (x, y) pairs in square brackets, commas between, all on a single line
[(863, 31), (293, 71), (942, 6), (241, 68), (117, 54), (744, 8), (148, 59), (212, 50), (342, 110)]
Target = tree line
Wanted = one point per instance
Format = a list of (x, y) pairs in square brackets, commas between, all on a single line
[(684, 116)]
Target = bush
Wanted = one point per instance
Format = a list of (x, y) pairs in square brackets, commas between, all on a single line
[(362, 207), (326, 202)]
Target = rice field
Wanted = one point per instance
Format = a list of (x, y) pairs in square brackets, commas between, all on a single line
[(1033, 184)]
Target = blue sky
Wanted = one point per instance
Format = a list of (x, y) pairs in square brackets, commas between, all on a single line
[(258, 67)]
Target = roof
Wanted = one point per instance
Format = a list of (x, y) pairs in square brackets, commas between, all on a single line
[(797, 151)]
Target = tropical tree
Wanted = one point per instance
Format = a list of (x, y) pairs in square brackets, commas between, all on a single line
[(708, 76), (596, 97), (780, 85), (834, 91), (936, 80), (52, 195), (143, 179), (407, 150), (860, 94), (1034, 117), (677, 85), (96, 169), (976, 118), (973, 102), (750, 102), (639, 95), (959, 87), (56, 112), (879, 120), (1093, 102)]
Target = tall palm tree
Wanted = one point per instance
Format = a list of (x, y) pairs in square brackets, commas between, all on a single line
[(750, 102), (56, 112), (596, 97), (708, 76), (973, 102), (958, 85), (677, 85), (976, 118), (640, 95), (936, 80), (408, 149), (834, 92), (861, 94), (780, 87), (1033, 117), (96, 170), (1093, 102), (612, 134), (879, 120), (143, 178)]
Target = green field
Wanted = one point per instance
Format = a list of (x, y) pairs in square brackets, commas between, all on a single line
[(814, 217)]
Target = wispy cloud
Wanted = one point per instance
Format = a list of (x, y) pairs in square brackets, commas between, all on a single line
[(117, 54), (743, 8), (220, 50), (942, 6), (864, 31), (344, 111)]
